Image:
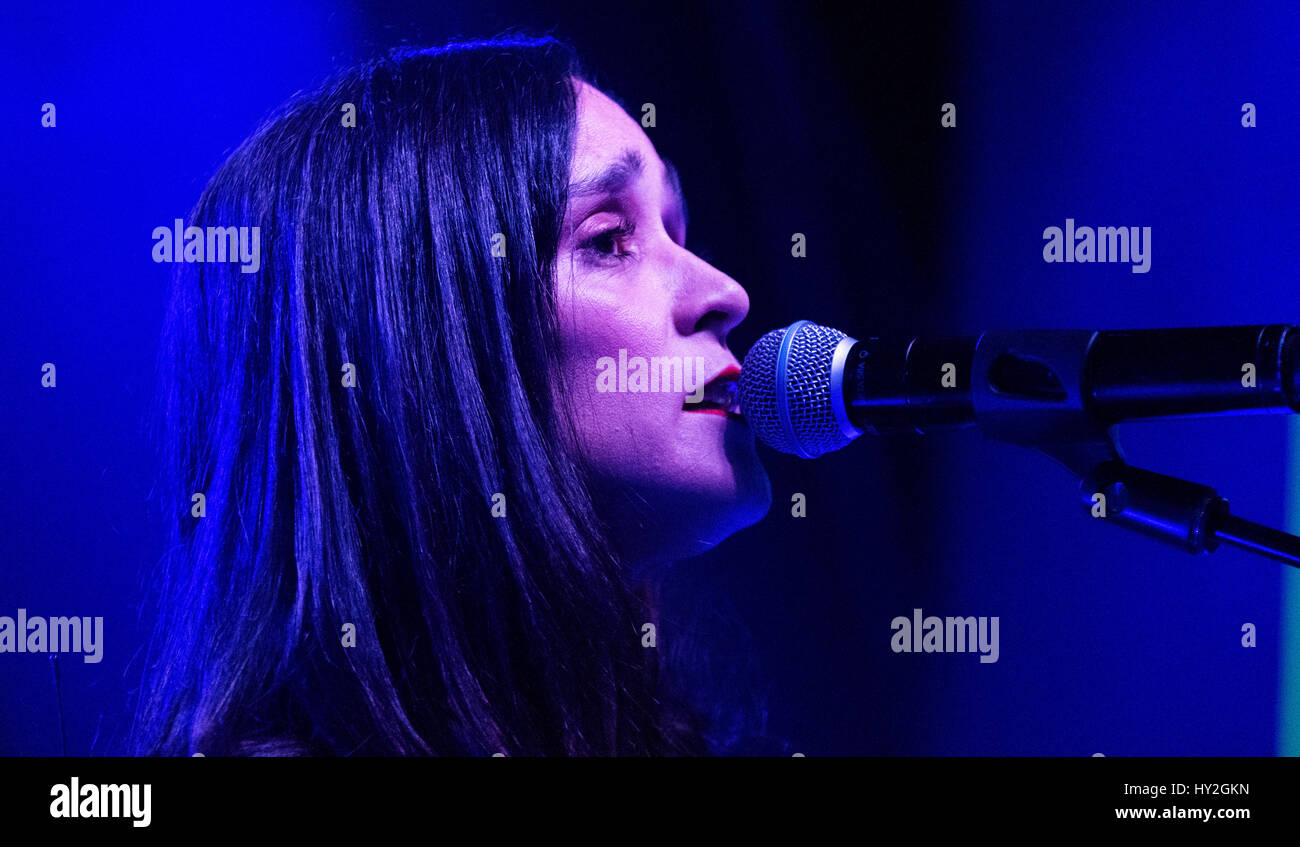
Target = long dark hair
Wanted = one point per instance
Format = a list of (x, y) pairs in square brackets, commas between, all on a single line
[(333, 505)]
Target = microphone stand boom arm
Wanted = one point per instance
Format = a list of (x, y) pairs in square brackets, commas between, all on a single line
[(1048, 390)]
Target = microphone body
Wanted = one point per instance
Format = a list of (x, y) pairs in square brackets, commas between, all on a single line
[(808, 389)]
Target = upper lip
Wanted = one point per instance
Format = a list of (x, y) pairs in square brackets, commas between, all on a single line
[(731, 370)]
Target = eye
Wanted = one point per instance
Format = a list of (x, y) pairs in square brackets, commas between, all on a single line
[(611, 243)]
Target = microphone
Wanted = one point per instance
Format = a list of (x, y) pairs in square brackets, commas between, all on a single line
[(809, 389)]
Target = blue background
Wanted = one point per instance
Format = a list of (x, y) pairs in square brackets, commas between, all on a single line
[(781, 119)]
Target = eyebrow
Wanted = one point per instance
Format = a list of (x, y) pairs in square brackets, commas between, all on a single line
[(621, 173)]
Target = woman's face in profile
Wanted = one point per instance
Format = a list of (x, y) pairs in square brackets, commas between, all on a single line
[(676, 467)]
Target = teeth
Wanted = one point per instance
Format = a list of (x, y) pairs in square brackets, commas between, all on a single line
[(724, 393)]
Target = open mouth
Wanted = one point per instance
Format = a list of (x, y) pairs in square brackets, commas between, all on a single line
[(721, 395)]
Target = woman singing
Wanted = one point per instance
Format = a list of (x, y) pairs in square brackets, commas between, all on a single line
[(407, 513)]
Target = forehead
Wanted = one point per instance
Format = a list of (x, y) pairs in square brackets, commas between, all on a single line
[(604, 133)]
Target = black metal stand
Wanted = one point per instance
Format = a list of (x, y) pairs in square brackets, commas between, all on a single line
[(1264, 540), (1189, 516), (1029, 388)]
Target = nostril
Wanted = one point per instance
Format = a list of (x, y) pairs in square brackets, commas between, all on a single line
[(712, 320)]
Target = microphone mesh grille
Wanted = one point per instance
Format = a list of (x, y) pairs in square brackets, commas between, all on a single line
[(812, 428)]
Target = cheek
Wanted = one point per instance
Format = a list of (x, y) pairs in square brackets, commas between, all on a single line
[(619, 431), (598, 320)]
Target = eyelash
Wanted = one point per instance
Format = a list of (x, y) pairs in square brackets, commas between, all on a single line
[(624, 229)]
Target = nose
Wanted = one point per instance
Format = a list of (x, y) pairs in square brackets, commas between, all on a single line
[(708, 300)]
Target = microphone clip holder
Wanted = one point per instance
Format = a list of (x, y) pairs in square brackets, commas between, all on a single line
[(1028, 387)]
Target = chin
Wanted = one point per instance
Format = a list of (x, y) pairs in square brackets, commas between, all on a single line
[(703, 519), (751, 503), (683, 510)]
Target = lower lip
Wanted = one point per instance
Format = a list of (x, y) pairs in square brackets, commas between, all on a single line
[(721, 413)]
